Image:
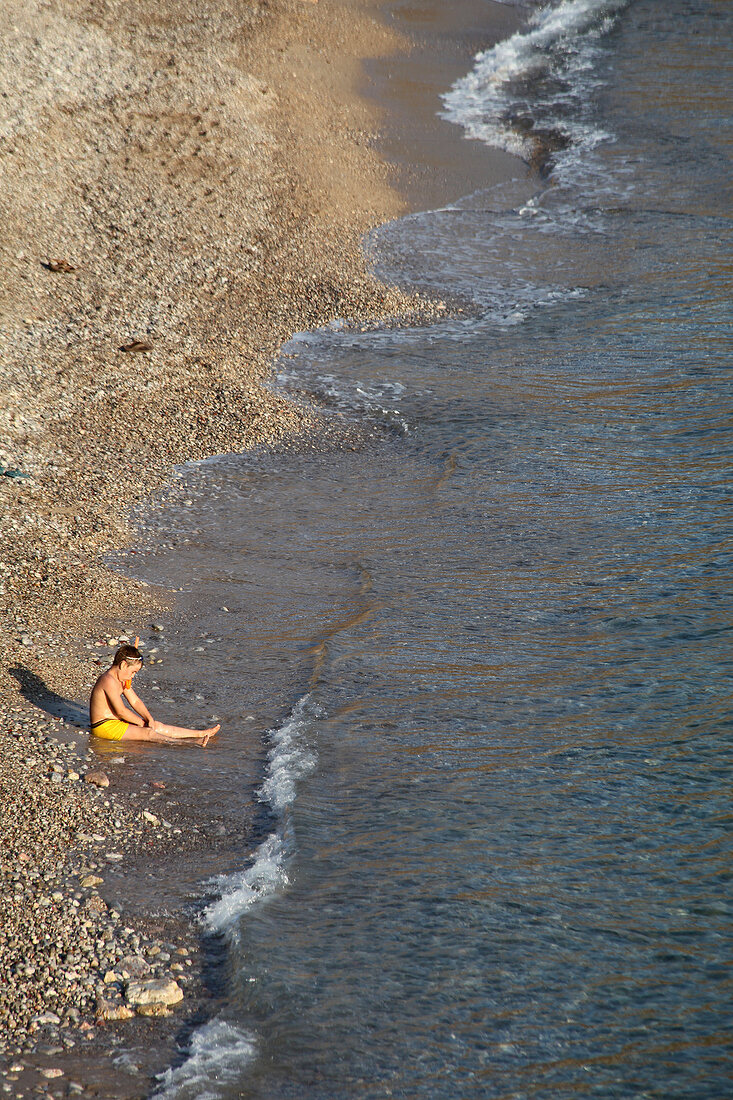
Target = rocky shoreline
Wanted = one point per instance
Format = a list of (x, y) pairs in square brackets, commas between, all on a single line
[(69, 963), (184, 186)]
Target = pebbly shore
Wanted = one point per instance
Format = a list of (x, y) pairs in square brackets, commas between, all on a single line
[(184, 185)]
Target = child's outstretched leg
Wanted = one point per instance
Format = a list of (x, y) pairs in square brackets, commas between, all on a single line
[(168, 734), (180, 733)]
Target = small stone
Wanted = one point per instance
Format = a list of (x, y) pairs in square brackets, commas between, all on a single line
[(151, 817), (155, 1009), (134, 966), (72, 775), (113, 857), (95, 905), (106, 1010), (98, 779), (51, 1073), (46, 1018), (162, 991), (110, 977), (91, 880)]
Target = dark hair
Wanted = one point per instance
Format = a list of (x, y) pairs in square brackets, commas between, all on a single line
[(129, 653)]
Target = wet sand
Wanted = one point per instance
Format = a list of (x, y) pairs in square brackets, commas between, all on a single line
[(434, 163), (209, 184)]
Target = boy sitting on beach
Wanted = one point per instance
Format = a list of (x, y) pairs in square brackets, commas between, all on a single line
[(117, 713)]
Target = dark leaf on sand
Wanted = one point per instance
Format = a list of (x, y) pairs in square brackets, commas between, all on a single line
[(136, 345), (62, 266)]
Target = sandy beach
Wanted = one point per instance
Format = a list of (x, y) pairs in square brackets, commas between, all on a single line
[(184, 187)]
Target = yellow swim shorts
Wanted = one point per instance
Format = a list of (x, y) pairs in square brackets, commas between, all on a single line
[(111, 729)]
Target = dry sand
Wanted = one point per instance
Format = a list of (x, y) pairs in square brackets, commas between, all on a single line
[(208, 177)]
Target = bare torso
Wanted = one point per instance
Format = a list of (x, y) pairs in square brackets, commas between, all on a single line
[(106, 699)]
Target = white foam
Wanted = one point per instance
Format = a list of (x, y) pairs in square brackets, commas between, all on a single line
[(559, 43), (219, 1052), (240, 891), (379, 399), (217, 1055), (289, 759)]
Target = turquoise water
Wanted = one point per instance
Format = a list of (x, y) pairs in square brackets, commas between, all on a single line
[(489, 653)]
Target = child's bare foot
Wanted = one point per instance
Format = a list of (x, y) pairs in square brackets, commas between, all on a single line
[(208, 734)]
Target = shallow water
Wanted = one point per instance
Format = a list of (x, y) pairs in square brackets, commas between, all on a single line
[(493, 648)]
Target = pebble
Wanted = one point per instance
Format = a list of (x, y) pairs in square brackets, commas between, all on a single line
[(47, 1018), (97, 779), (109, 1011), (134, 966), (154, 1009)]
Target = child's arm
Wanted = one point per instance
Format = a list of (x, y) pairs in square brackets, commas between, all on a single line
[(137, 704), (115, 702)]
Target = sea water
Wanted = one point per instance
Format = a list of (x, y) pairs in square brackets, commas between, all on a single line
[(486, 657)]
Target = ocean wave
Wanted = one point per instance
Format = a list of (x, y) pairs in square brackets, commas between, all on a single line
[(219, 1051), (216, 1056), (529, 94), (289, 759)]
